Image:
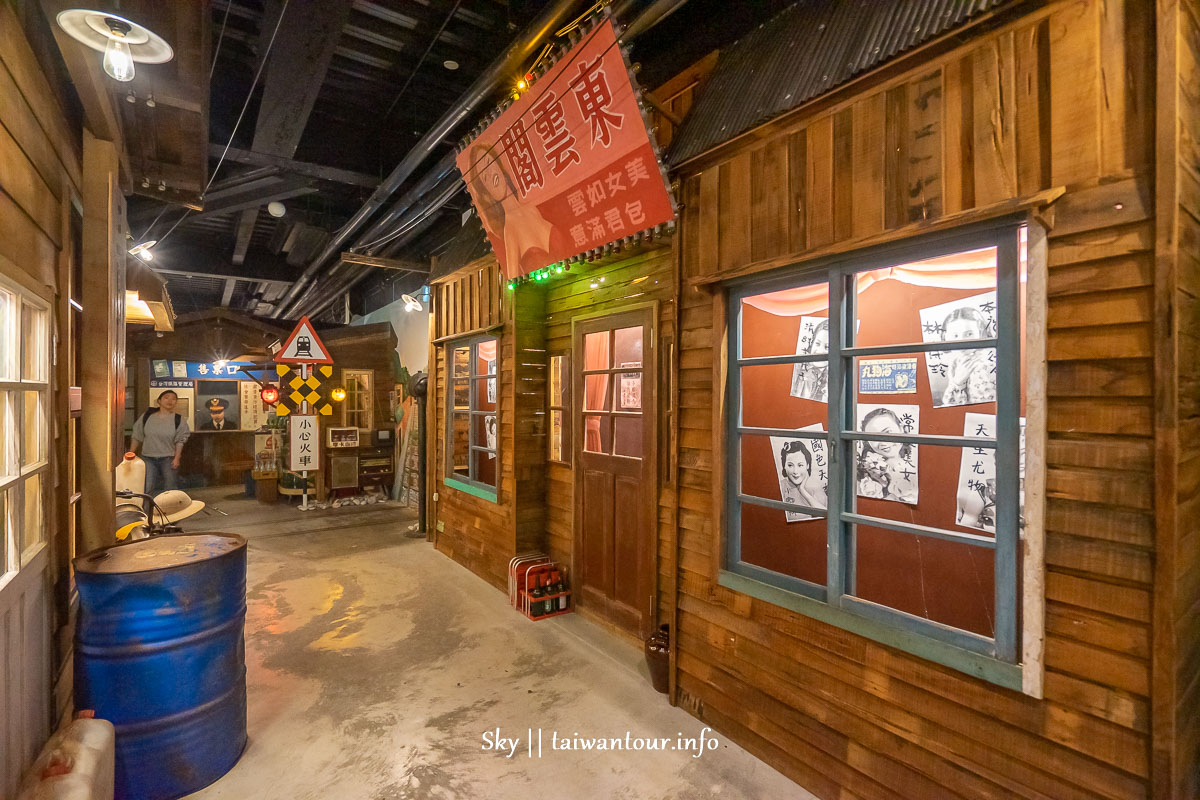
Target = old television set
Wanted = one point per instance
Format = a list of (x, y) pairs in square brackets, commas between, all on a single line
[(383, 437)]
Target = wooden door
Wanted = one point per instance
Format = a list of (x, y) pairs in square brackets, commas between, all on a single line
[(615, 423)]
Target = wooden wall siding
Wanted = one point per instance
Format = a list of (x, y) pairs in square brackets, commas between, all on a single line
[(637, 277), (1060, 97), (1185, 611), (677, 95), (483, 535)]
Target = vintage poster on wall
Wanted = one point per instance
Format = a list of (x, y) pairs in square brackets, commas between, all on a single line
[(976, 495), (887, 376), (217, 405), (251, 407), (961, 377), (811, 380), (490, 433), (803, 471), (887, 470), (569, 166)]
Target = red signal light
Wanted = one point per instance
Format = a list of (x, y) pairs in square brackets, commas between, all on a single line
[(270, 395)]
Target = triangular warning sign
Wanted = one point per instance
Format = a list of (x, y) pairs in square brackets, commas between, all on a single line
[(303, 346)]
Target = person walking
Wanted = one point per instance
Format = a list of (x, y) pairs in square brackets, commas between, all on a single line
[(161, 434)]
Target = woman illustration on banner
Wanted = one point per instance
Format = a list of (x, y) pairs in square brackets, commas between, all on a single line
[(528, 237), (811, 380), (971, 374), (885, 469), (796, 484)]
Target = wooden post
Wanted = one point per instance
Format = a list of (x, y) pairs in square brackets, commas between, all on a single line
[(103, 340)]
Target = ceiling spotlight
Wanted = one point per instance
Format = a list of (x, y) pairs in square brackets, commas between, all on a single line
[(150, 102), (145, 183), (162, 186), (142, 250), (276, 209), (411, 303), (123, 42), (450, 64), (131, 98)]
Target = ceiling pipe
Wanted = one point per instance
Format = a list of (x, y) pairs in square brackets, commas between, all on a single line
[(506, 67)]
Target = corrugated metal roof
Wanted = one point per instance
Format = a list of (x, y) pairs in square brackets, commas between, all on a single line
[(470, 243), (810, 48)]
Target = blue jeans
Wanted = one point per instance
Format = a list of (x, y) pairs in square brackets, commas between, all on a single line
[(160, 475)]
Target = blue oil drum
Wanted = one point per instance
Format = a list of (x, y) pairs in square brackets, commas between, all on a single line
[(160, 653)]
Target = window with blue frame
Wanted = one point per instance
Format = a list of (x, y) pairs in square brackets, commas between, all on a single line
[(876, 444), (472, 416)]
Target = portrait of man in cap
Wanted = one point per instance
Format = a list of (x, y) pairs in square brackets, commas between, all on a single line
[(218, 420)]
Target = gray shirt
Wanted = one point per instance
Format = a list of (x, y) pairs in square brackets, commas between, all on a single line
[(158, 434)]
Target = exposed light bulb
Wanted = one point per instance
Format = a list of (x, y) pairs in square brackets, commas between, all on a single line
[(118, 62)]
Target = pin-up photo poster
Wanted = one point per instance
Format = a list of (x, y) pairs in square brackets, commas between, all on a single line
[(976, 495), (888, 470), (810, 381), (803, 471), (961, 377)]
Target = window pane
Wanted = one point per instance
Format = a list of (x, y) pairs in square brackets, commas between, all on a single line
[(629, 396), (35, 364), (627, 347), (791, 548), (462, 393), (787, 322), (4, 533), (486, 430), (788, 469), (595, 394), (10, 527), (597, 434), (946, 388), (460, 431), (461, 361), (558, 377), (9, 332), (937, 299), (485, 357), (34, 429), (32, 527), (485, 467), (485, 394), (9, 441), (769, 398), (556, 436), (595, 350), (627, 436), (943, 581)]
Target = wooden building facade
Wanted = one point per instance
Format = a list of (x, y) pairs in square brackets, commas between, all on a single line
[(1071, 126)]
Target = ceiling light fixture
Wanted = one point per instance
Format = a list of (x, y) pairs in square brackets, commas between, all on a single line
[(276, 209), (450, 64), (411, 303), (123, 42), (142, 250)]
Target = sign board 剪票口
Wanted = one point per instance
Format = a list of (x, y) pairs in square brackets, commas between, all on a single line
[(569, 166)]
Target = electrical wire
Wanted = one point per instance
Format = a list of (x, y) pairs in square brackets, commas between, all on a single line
[(220, 38), (421, 61), (449, 192)]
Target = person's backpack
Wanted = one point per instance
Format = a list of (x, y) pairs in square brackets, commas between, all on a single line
[(149, 411)]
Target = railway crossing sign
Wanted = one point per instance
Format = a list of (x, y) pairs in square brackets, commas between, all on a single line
[(304, 384), (303, 346)]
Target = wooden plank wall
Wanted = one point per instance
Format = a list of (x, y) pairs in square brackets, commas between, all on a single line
[(1061, 97), (677, 95), (1186, 564), (481, 535), (638, 276), (40, 172)]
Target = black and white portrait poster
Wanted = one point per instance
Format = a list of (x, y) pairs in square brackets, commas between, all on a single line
[(888, 470), (803, 471), (489, 428), (976, 494), (961, 377), (811, 380)]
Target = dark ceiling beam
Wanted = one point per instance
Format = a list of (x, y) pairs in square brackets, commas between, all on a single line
[(282, 189), (403, 264), (343, 176)]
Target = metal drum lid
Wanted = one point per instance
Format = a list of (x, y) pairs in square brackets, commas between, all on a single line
[(159, 552)]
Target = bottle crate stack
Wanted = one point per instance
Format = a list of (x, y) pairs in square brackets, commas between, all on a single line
[(538, 587)]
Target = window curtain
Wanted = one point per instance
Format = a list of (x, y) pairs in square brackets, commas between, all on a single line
[(597, 355)]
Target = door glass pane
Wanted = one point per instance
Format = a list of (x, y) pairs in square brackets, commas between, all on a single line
[(595, 347), (597, 434), (35, 364), (461, 361), (784, 323), (627, 347), (32, 526), (460, 433), (34, 429), (9, 440), (9, 354), (627, 436), (630, 386), (595, 395)]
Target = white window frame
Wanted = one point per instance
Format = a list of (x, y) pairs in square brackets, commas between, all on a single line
[(12, 558), (366, 408)]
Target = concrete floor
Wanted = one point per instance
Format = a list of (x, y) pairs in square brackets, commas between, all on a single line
[(376, 665)]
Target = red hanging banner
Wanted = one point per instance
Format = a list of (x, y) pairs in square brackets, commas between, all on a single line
[(570, 166)]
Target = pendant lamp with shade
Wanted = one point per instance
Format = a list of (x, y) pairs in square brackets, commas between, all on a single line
[(122, 41)]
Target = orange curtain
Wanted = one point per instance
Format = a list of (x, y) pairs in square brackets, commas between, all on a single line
[(596, 356)]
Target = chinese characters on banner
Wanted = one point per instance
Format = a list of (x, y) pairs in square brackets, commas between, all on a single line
[(569, 166), (304, 443)]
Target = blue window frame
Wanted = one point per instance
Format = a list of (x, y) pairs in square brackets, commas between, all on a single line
[(472, 416), (844, 557)]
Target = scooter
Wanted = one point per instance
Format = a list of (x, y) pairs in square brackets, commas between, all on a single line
[(170, 507)]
